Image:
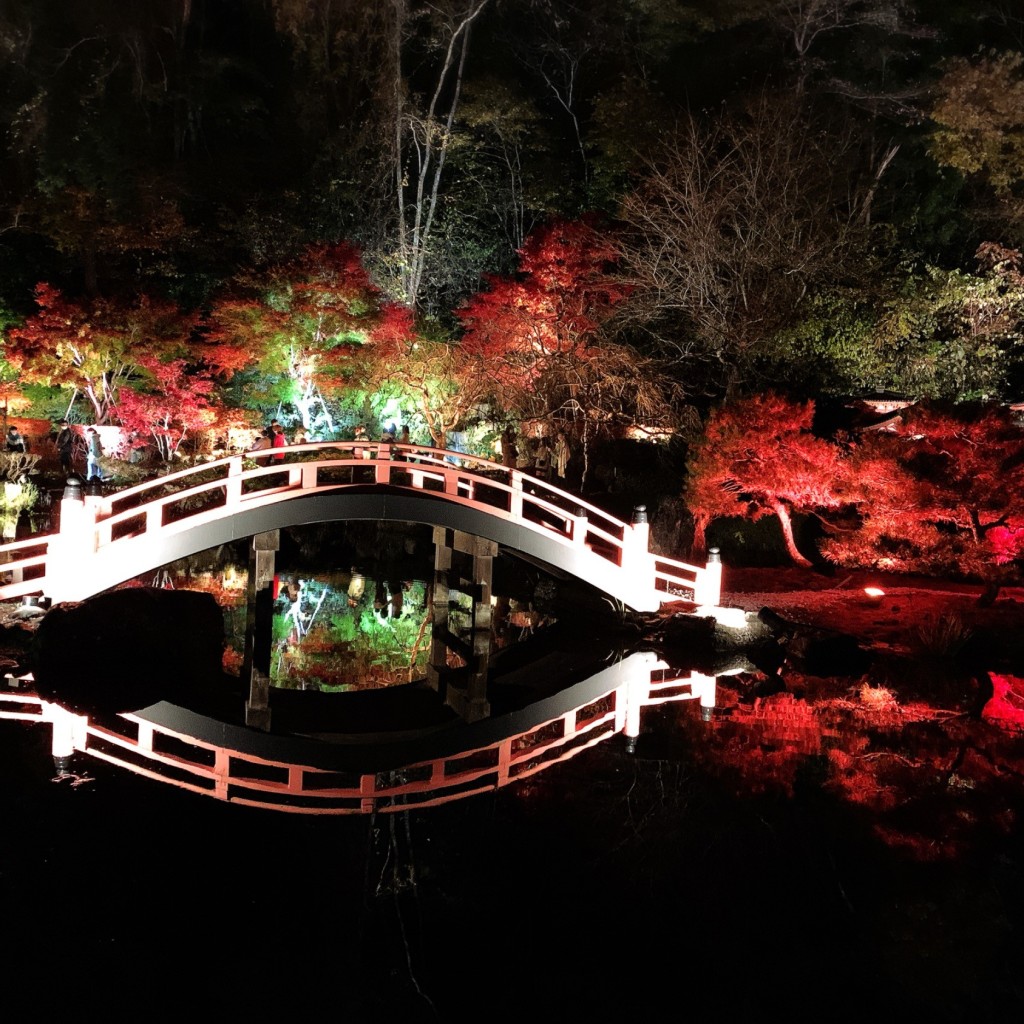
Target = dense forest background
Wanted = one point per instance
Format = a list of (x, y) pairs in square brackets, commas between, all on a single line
[(597, 216)]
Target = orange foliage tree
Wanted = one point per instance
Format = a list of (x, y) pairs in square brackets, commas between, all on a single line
[(93, 348)]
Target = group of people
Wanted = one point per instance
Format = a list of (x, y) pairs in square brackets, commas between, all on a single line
[(72, 447), (543, 460), (547, 460), (274, 438)]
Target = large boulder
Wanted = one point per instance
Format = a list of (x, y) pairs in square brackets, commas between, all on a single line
[(127, 649)]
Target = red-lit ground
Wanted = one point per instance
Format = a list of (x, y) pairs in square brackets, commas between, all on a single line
[(926, 735)]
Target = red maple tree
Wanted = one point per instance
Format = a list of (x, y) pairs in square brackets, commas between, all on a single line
[(758, 457), (940, 492), (169, 402), (527, 326)]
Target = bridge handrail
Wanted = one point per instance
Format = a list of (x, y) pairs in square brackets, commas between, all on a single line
[(162, 491), (421, 784), (36, 541), (535, 493), (416, 454), (250, 479)]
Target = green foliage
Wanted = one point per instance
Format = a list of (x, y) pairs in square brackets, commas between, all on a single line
[(942, 636), (954, 335), (827, 350), (979, 117)]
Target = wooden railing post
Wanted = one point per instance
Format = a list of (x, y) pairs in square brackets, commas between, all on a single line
[(68, 552), (579, 527), (233, 484), (707, 588), (383, 467), (515, 503)]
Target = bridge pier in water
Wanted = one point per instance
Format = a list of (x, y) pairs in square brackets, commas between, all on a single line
[(462, 564), (259, 627)]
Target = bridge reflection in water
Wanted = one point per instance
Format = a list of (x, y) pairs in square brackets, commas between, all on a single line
[(375, 751)]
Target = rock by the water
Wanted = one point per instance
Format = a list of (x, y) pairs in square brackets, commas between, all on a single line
[(819, 652), (126, 649)]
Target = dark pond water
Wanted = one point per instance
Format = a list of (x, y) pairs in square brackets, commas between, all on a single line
[(618, 883)]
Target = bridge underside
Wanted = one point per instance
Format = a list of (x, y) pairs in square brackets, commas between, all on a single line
[(132, 557)]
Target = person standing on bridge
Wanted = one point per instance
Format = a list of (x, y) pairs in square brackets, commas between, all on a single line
[(542, 459), (561, 455), (65, 442), (509, 448), (403, 438), (279, 443), (93, 454)]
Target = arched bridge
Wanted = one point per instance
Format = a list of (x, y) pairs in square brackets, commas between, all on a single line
[(302, 774), (104, 540)]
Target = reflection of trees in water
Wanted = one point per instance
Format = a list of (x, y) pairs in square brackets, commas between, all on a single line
[(348, 632), (344, 629)]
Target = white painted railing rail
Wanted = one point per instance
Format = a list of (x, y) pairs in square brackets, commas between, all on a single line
[(166, 755), (104, 530)]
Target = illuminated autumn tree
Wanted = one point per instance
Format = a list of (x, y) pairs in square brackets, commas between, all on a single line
[(298, 326), (940, 493), (758, 457), (433, 377), (534, 332), (92, 348), (564, 289), (167, 402)]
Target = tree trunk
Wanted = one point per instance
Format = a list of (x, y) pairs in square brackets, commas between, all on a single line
[(787, 534), (700, 526)]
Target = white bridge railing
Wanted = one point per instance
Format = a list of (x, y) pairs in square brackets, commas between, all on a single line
[(163, 754), (96, 544)]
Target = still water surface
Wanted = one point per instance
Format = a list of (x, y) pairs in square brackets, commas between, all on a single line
[(614, 884)]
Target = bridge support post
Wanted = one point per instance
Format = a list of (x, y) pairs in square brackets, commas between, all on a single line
[(259, 620), (638, 562), (69, 552), (707, 589), (464, 690), (705, 688)]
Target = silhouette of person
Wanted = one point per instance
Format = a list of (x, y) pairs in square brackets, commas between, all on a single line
[(66, 447)]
